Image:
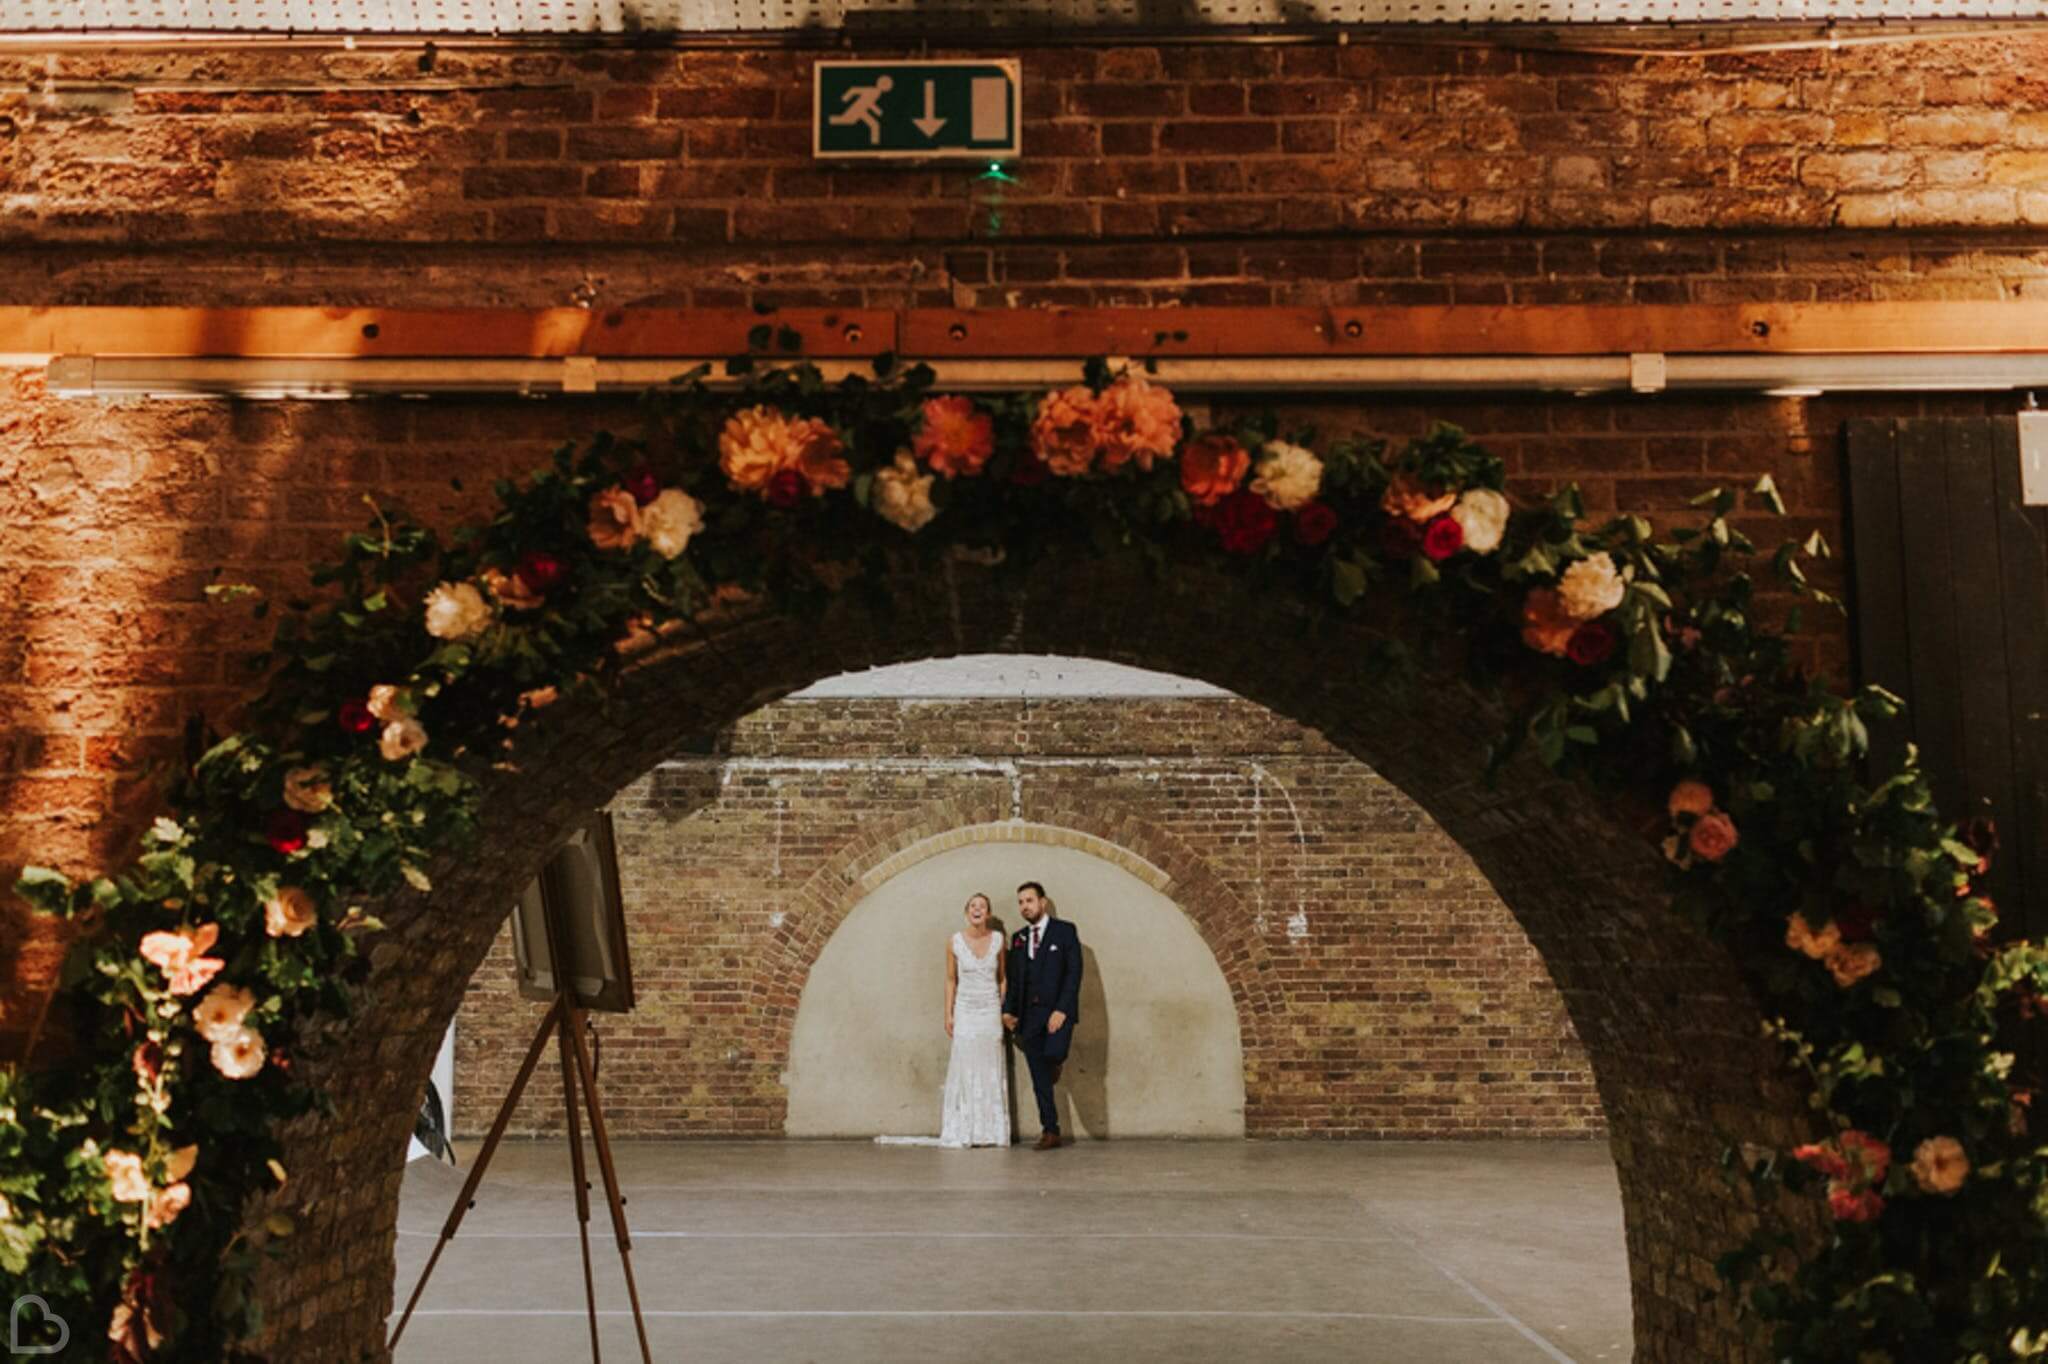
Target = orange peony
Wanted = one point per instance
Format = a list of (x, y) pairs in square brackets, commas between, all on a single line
[(1851, 963), (1406, 497), (1691, 797), (1136, 419), (1800, 937), (819, 456), (1545, 626), (614, 519), (1063, 432), (954, 437), (755, 445), (1212, 467)]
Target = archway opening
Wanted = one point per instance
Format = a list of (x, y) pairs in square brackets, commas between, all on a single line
[(859, 927)]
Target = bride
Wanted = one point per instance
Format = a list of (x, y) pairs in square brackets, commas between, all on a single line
[(977, 1098), (977, 1089)]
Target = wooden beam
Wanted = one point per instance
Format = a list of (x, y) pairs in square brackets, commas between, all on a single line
[(35, 334), (32, 335)]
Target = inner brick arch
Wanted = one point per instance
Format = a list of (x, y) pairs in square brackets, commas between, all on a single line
[(1669, 1027), (1139, 846)]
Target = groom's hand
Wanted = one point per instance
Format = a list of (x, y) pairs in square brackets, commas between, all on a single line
[(1056, 1022), (1009, 1022)]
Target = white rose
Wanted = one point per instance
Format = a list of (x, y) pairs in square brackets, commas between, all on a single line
[(384, 702), (670, 520), (1288, 476), (220, 1014), (903, 495), (457, 611), (1482, 514), (1590, 587), (238, 1054), (307, 790), (402, 738)]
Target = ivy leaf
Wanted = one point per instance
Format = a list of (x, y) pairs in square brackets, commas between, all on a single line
[(1767, 489), (1347, 581), (49, 891)]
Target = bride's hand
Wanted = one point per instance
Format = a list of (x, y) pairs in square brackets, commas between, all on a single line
[(949, 1025)]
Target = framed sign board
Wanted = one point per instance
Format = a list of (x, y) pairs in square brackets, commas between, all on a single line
[(569, 927), (921, 111)]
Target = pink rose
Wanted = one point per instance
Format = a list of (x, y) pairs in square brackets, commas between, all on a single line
[(1713, 836), (614, 519), (178, 955)]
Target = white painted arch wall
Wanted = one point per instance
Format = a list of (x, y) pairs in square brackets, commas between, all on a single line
[(1157, 1053)]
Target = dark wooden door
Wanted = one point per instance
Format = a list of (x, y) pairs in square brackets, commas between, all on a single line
[(1949, 599)]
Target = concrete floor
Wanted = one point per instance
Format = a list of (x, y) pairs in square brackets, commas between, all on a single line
[(1501, 1252)]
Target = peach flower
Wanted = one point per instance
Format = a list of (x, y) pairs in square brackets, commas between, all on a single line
[(165, 1206), (402, 738), (670, 520), (954, 437), (1212, 467), (1713, 836), (1591, 587), (222, 1011), (903, 494), (124, 1172), (1940, 1166), (1136, 419), (1289, 477), (1851, 963), (289, 913), (178, 954), (238, 1054), (754, 445), (385, 701), (1063, 432), (1690, 797), (1800, 937), (1545, 626), (511, 591), (457, 611), (614, 519), (1405, 496), (307, 790)]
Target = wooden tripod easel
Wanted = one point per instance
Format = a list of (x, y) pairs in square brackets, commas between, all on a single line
[(575, 1062)]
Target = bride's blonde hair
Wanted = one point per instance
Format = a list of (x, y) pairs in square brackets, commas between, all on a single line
[(983, 896)]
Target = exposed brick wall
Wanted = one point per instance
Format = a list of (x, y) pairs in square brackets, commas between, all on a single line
[(1223, 175), (1407, 1003)]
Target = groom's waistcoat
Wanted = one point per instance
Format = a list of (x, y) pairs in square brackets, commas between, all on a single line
[(1052, 980)]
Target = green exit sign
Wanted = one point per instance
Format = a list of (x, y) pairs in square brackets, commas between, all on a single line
[(916, 109)]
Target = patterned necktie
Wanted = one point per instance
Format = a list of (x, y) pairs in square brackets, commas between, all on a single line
[(1034, 938)]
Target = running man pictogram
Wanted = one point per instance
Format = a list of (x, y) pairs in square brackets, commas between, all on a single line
[(863, 105)]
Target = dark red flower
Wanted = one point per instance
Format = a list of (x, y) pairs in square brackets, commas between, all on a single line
[(1856, 921), (642, 483), (1030, 471), (355, 717), (286, 831), (1442, 538), (1591, 643), (1400, 538), (1244, 522), (540, 571), (786, 489), (1314, 524)]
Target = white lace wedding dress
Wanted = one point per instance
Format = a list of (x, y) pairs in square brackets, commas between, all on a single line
[(977, 1099)]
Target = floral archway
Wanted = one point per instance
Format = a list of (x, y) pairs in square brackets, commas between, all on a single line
[(1631, 660)]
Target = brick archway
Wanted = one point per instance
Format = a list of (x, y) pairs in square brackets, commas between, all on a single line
[(1665, 1018)]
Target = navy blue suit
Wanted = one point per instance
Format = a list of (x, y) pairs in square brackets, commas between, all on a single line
[(1037, 988)]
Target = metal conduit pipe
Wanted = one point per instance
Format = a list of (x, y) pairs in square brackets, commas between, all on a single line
[(1789, 375)]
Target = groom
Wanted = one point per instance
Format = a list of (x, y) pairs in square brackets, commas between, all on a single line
[(1043, 1000)]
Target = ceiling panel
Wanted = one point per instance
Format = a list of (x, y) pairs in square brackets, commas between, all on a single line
[(917, 17)]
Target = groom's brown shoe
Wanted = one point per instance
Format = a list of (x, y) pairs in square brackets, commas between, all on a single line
[(1047, 1141)]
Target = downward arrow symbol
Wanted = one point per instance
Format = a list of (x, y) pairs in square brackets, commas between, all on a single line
[(929, 125)]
